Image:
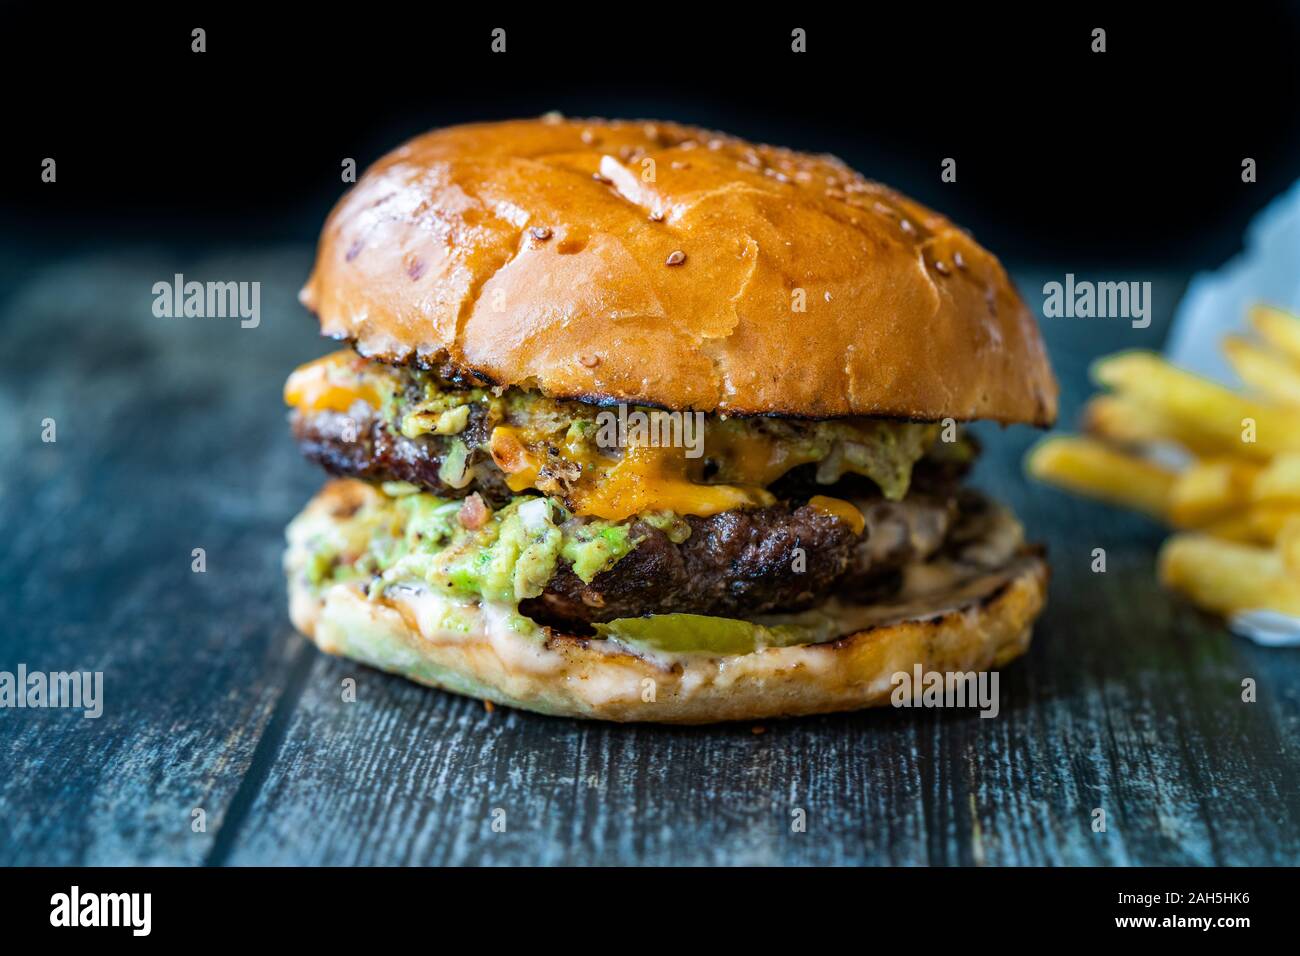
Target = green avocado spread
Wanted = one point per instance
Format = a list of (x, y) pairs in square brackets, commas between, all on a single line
[(406, 535)]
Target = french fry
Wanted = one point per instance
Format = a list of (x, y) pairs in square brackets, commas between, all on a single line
[(1278, 328), (1258, 524), (1211, 490), (1091, 468), (1267, 521), (1226, 577), (1288, 546), (1279, 482), (1252, 428), (1240, 497), (1237, 527), (1265, 372), (1124, 421)]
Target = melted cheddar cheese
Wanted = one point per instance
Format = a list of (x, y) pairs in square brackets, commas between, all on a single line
[(655, 479), (644, 479), (332, 383), (752, 459), (839, 508), (513, 457)]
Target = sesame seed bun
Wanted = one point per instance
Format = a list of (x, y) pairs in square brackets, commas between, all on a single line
[(671, 266)]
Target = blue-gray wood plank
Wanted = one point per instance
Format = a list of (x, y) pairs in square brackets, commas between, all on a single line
[(171, 437)]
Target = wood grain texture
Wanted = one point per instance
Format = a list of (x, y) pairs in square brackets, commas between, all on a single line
[(171, 436)]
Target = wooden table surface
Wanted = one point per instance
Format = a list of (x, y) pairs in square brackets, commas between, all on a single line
[(171, 436)]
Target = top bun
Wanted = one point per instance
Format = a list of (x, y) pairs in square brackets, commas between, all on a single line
[(666, 265)]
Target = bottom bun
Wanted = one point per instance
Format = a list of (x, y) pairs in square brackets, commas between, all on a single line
[(976, 625)]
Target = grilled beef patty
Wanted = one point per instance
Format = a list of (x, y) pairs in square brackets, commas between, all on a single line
[(362, 445), (741, 563)]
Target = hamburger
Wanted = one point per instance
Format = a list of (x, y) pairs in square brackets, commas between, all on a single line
[(643, 422)]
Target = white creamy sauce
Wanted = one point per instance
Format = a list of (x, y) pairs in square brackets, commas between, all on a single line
[(520, 652), (523, 652)]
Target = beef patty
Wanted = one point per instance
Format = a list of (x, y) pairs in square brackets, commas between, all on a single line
[(360, 444), (741, 563)]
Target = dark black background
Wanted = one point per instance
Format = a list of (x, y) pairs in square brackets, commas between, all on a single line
[(1132, 156)]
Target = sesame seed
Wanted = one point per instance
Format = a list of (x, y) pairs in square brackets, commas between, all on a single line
[(601, 179), (958, 261), (587, 136), (656, 215), (941, 267), (590, 361), (907, 227), (837, 194), (678, 164), (541, 233), (675, 258)]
